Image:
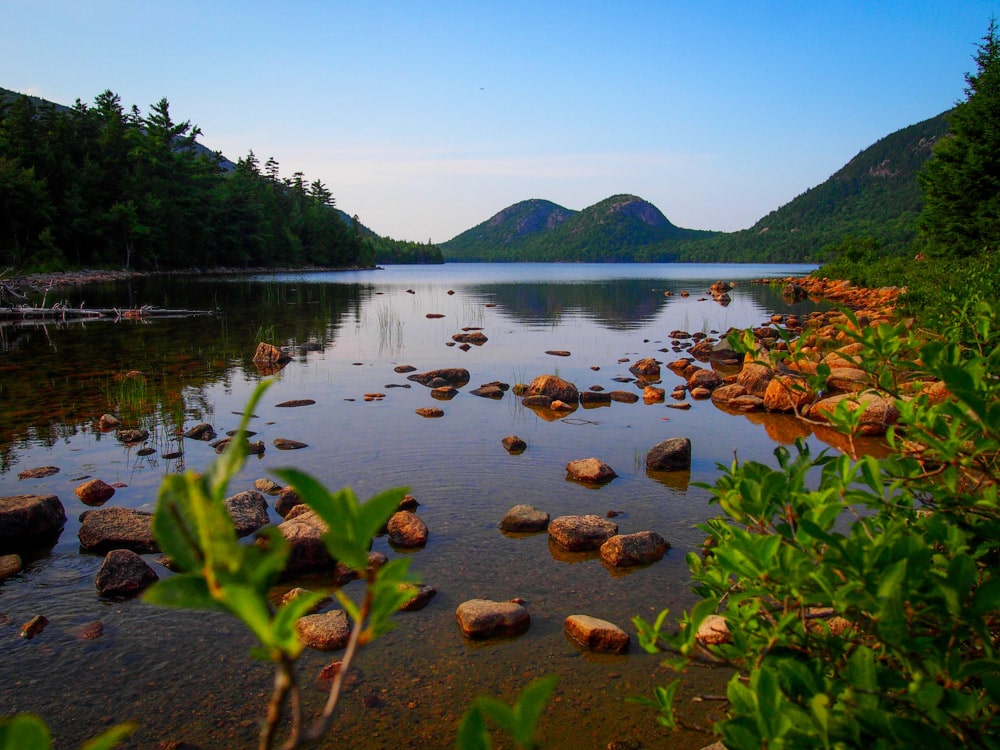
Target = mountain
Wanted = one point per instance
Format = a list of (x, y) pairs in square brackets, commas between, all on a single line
[(621, 228), (875, 194)]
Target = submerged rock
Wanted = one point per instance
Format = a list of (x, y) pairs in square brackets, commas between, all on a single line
[(596, 635), (482, 618)]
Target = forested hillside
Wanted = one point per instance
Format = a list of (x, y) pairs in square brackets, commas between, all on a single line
[(875, 195), (621, 228), (104, 186)]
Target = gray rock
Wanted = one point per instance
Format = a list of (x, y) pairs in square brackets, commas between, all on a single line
[(597, 635), (249, 511), (123, 573), (670, 455), (106, 529), (581, 533), (328, 631), (640, 548), (482, 618), (524, 518), (29, 520)]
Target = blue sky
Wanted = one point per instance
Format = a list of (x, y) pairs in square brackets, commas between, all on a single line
[(426, 118)]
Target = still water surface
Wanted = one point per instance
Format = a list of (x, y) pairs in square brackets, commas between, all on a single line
[(185, 676)]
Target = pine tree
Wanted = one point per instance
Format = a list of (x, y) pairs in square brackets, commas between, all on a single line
[(961, 182)]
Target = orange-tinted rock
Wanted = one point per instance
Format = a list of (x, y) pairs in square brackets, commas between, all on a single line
[(596, 635), (95, 492), (482, 618)]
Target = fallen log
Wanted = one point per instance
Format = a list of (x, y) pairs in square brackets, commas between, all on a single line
[(60, 312)]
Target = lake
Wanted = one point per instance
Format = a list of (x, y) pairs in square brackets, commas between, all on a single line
[(187, 676)]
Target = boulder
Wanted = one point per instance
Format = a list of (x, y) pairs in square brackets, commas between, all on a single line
[(554, 387), (482, 618), (754, 378), (581, 533), (648, 369), (454, 376), (10, 565), (288, 498), (303, 530), (786, 394), (713, 630), (203, 431), (640, 548), (269, 354), (847, 380), (524, 518), (597, 635), (623, 397), (444, 392), (878, 412), (107, 529), (590, 470), (595, 398), (29, 520), (420, 599), (514, 444), (249, 511), (709, 379), (95, 492), (670, 455), (123, 573), (328, 631), (406, 529)]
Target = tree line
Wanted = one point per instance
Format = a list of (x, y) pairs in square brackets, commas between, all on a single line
[(104, 186)]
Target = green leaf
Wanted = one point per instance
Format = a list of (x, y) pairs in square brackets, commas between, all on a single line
[(472, 733), (183, 591), (109, 739), (24, 732), (529, 706)]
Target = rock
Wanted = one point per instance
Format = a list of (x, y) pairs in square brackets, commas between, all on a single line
[(249, 511), (117, 528), (34, 626), (29, 520), (420, 599), (310, 346), (296, 593), (713, 630), (709, 379), (623, 397), (524, 518), (482, 618), (267, 486), (406, 529), (295, 403), (39, 472), (401, 369), (723, 354), (877, 412), (95, 492), (597, 635), (444, 392), (203, 431), (269, 354), (288, 498), (785, 394), (10, 566), (747, 403), (653, 395), (477, 338), (489, 391), (847, 380), (431, 412), (793, 292), (558, 352), (284, 444), (755, 378), (554, 387), (131, 436), (89, 631), (640, 548), (538, 401), (648, 369), (726, 393), (409, 502), (581, 533), (108, 422), (514, 444), (328, 631), (558, 405), (595, 398), (591, 470), (700, 393), (670, 455), (455, 376), (124, 573), (303, 530)]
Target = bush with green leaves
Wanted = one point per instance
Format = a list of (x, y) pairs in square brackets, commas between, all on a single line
[(862, 597)]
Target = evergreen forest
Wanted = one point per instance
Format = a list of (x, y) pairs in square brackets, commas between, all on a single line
[(101, 186)]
